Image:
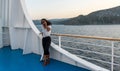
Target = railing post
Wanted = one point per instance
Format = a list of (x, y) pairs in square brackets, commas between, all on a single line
[(59, 41), (112, 57)]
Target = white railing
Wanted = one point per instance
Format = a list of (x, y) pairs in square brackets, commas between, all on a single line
[(108, 54)]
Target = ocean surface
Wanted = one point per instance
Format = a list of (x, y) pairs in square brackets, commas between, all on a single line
[(90, 30)]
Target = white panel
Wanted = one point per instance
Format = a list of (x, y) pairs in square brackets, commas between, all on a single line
[(0, 34), (5, 36), (21, 35), (0, 9), (5, 11), (30, 42), (14, 18), (2, 12), (0, 23)]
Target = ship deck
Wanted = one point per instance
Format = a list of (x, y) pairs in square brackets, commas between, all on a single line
[(14, 60)]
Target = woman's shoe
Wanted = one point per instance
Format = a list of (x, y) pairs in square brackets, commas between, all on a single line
[(46, 60)]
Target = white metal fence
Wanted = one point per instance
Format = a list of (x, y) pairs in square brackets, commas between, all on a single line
[(102, 51)]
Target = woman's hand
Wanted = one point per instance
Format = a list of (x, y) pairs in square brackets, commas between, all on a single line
[(46, 27), (40, 33), (45, 24)]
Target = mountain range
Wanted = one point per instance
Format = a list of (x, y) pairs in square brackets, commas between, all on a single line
[(101, 17)]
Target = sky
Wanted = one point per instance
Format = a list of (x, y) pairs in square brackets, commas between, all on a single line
[(56, 9)]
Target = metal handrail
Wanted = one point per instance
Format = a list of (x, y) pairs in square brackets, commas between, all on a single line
[(89, 37), (93, 37)]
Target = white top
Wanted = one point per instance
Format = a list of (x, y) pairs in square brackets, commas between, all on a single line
[(45, 32)]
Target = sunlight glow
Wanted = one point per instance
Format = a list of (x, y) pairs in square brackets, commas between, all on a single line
[(66, 8)]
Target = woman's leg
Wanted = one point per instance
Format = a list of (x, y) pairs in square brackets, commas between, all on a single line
[(46, 45)]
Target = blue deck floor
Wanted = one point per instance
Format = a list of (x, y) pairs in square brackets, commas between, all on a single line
[(13, 60)]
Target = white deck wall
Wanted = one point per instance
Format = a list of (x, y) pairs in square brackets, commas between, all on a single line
[(4, 23), (0, 23), (14, 28), (21, 34)]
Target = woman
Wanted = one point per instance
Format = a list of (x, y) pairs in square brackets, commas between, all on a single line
[(46, 41)]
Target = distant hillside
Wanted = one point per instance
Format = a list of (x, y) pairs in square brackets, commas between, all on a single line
[(107, 16), (58, 21), (53, 21), (36, 22)]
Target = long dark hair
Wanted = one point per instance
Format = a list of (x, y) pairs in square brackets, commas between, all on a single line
[(48, 22)]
